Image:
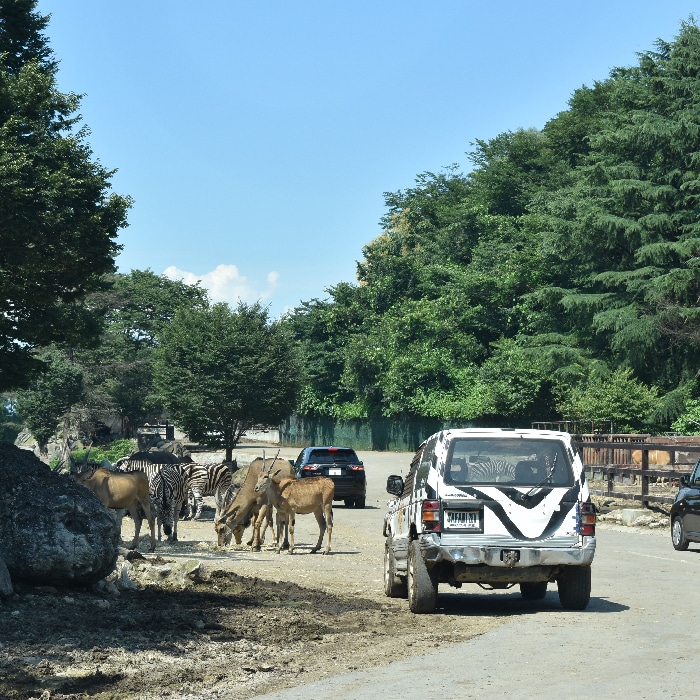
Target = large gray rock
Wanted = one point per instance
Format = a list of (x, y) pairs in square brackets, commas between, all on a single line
[(5, 581), (52, 530)]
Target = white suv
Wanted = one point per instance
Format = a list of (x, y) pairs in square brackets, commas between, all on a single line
[(493, 507)]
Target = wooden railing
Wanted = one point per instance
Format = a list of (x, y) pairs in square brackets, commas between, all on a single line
[(612, 458)]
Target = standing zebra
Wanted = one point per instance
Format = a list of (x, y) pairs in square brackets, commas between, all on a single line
[(165, 489), (205, 479), (169, 487)]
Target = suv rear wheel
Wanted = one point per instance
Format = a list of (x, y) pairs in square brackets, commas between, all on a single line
[(349, 502), (533, 591), (574, 585), (360, 502), (394, 586), (422, 582)]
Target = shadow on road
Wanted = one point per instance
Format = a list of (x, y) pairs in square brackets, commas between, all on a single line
[(510, 604)]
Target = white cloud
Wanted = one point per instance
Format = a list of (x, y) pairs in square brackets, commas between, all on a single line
[(225, 283)]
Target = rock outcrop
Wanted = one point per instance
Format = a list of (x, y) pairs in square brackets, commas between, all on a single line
[(52, 530)]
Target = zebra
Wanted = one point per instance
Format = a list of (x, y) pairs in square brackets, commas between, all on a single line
[(205, 479), (152, 464), (491, 470), (168, 487)]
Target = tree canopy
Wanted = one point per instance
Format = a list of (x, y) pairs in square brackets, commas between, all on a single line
[(58, 220), (566, 259), (220, 372)]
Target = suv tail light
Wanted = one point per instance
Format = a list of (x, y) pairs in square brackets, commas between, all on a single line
[(356, 468), (310, 468), (430, 516), (585, 518)]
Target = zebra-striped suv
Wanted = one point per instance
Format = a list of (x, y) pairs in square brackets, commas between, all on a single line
[(494, 507)]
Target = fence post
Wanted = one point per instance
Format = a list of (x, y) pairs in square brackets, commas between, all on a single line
[(645, 476)]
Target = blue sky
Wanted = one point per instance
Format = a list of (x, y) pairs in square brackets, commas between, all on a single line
[(257, 137)]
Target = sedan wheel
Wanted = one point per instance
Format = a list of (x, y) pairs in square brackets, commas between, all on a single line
[(678, 535)]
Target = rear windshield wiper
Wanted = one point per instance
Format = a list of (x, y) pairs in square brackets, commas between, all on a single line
[(548, 477)]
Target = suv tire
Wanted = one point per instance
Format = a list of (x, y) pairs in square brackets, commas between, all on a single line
[(394, 586), (574, 585), (348, 502), (360, 502), (533, 591), (678, 538), (422, 582)]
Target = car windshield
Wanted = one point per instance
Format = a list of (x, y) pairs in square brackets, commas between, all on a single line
[(332, 456), (517, 462)]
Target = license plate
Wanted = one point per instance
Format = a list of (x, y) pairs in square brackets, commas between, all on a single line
[(335, 472), (465, 519)]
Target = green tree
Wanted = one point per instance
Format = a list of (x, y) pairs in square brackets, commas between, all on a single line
[(10, 421), (627, 233), (58, 221), (119, 373), (51, 396), (617, 398), (689, 422), (219, 372)]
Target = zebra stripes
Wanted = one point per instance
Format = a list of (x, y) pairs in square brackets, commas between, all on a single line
[(491, 470), (205, 479), (169, 487), (168, 480), (166, 475)]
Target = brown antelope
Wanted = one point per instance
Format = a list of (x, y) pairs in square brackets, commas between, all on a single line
[(247, 504), (223, 499), (121, 490), (291, 496)]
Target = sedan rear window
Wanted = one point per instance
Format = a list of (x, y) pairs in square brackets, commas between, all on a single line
[(331, 456)]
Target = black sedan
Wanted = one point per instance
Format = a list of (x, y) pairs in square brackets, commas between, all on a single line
[(340, 464), (685, 511)]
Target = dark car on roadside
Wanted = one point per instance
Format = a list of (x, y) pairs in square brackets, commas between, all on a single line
[(340, 464), (685, 511)]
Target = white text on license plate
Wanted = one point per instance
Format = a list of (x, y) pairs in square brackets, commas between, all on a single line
[(468, 519), (335, 472)]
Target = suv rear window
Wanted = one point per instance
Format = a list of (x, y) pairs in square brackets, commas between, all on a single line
[(519, 462), (331, 456)]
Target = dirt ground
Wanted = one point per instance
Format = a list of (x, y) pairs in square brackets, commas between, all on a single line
[(197, 621)]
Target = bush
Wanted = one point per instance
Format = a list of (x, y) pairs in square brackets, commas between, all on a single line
[(114, 451)]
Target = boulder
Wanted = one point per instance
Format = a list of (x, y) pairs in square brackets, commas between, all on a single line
[(52, 530), (5, 581)]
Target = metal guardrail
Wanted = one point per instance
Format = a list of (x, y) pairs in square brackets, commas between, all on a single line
[(613, 468)]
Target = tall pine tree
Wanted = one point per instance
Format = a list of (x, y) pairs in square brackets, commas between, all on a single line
[(58, 222)]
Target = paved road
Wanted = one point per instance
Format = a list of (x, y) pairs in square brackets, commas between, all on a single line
[(639, 637)]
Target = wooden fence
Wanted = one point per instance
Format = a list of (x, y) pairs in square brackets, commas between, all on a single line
[(610, 457)]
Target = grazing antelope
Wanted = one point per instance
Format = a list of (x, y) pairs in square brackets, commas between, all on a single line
[(118, 491), (290, 496), (247, 504)]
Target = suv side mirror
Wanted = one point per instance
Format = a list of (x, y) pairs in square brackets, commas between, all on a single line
[(394, 485), (685, 480)]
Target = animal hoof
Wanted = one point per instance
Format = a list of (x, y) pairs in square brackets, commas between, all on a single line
[(256, 549)]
